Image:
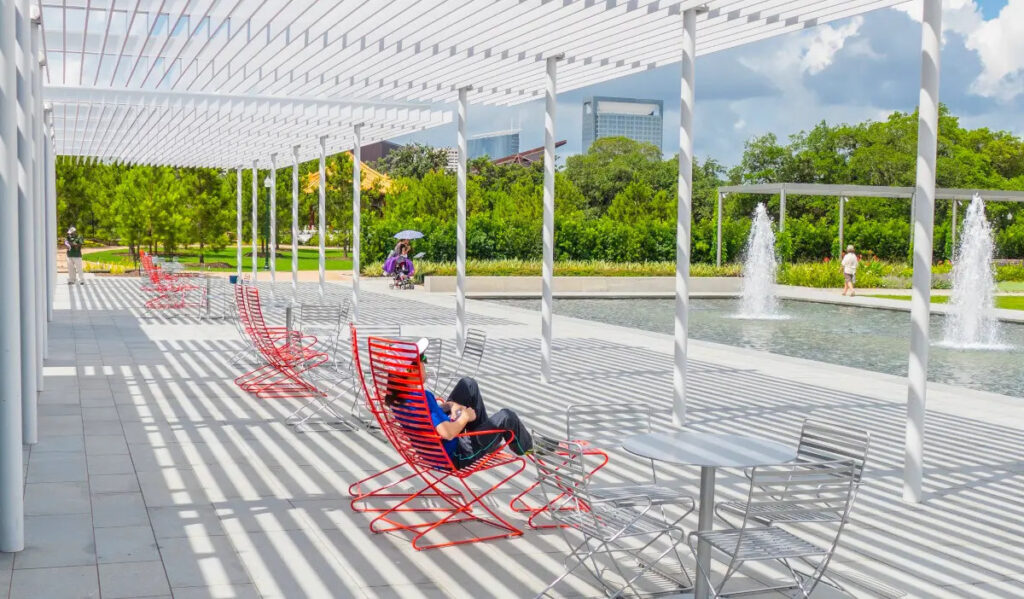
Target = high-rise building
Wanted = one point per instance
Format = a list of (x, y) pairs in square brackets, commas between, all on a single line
[(639, 120), (494, 145)]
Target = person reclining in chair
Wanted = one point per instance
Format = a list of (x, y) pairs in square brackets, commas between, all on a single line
[(464, 411)]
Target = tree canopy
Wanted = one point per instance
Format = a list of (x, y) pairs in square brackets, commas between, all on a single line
[(617, 202)]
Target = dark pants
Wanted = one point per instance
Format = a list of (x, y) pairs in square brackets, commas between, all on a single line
[(467, 393)]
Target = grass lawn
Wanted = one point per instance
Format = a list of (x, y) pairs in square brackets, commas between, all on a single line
[(224, 260), (1010, 286), (1006, 302)]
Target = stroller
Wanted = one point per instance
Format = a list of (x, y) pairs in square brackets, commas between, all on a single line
[(401, 268)]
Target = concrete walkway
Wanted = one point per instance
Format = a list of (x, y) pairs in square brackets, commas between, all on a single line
[(156, 477)]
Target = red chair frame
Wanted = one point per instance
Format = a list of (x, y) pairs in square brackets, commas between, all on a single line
[(288, 355), (396, 371), (171, 291), (356, 490), (535, 511)]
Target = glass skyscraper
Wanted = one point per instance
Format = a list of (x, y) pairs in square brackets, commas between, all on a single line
[(639, 120), (494, 145)]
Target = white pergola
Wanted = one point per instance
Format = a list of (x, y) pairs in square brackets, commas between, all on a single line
[(273, 56)]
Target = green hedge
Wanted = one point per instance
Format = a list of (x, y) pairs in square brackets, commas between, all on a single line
[(569, 268)]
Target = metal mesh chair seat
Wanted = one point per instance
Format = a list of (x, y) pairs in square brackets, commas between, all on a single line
[(635, 494), (761, 512), (754, 544), (607, 521)]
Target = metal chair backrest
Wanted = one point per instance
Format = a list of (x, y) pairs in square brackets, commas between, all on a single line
[(824, 442), (469, 361), (563, 477), (604, 426), (801, 492), (325, 317), (397, 394)]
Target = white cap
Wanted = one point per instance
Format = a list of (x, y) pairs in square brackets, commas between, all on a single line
[(422, 345), (72, 230)]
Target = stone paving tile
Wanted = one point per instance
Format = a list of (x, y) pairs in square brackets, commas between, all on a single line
[(56, 498), (71, 443), (114, 483), (56, 467), (202, 561), (173, 522), (246, 591), (110, 464), (119, 509), (78, 582), (57, 541), (125, 544), (139, 579), (105, 444)]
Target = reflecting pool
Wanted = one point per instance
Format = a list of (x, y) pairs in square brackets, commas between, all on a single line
[(866, 338)]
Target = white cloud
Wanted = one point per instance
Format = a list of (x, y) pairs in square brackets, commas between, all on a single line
[(999, 43), (826, 42)]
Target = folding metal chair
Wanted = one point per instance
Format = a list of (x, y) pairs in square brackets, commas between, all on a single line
[(603, 537), (469, 360), (819, 442), (787, 496), (358, 358), (326, 322)]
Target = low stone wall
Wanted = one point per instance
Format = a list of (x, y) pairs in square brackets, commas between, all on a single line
[(583, 285)]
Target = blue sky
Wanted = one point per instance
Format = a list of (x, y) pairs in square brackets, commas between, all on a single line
[(847, 71)]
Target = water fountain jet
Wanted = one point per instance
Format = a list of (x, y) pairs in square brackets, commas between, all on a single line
[(972, 323), (760, 266)]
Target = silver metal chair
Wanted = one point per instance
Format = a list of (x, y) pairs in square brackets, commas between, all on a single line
[(359, 408), (787, 496), (604, 426), (469, 361), (819, 442), (627, 542), (219, 299), (326, 322)]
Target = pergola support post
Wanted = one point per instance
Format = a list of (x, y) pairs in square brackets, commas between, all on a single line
[(718, 231), (51, 221), (924, 220), (782, 209), (255, 212), (30, 364), (322, 216), (952, 250), (12, 521), (295, 224), (842, 222), (683, 212), (548, 232), (238, 224), (460, 229), (37, 62), (272, 232), (357, 190)]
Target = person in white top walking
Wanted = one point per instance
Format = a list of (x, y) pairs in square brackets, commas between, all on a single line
[(849, 266)]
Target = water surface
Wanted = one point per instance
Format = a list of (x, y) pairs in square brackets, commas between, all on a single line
[(867, 338)]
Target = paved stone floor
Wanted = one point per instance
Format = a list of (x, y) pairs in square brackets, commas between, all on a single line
[(156, 477)]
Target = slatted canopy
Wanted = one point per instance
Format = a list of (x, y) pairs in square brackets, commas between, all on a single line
[(218, 130), (256, 56)]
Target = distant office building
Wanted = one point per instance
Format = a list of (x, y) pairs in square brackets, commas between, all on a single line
[(639, 120), (494, 145), (453, 159)]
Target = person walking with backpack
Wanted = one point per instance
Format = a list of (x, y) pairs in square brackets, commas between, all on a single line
[(73, 241)]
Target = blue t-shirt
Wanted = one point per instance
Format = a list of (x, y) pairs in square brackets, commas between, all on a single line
[(437, 416)]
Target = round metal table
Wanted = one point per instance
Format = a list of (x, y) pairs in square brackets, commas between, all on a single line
[(709, 451)]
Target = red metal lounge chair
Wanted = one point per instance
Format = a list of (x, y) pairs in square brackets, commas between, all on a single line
[(171, 292), (287, 355), (396, 373)]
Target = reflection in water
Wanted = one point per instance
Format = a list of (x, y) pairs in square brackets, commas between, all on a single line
[(865, 338)]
